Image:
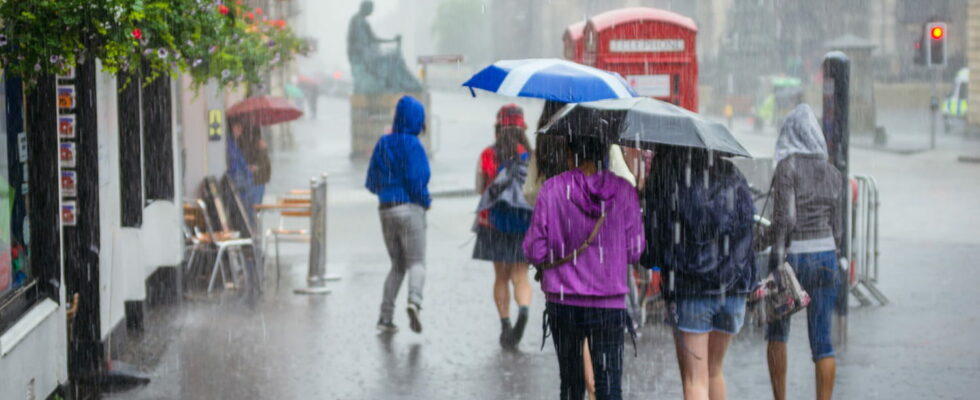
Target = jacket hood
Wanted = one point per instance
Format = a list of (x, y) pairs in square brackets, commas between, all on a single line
[(409, 116), (590, 192), (800, 134)]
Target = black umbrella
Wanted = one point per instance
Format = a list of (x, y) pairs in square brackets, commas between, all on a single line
[(643, 122)]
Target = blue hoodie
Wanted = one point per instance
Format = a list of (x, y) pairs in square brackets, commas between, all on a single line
[(399, 170)]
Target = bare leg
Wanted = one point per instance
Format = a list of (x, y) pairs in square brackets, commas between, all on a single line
[(587, 371), (826, 369), (717, 346), (522, 288), (501, 289), (692, 357), (776, 354)]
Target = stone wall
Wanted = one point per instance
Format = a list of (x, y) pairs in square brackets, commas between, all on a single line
[(973, 62)]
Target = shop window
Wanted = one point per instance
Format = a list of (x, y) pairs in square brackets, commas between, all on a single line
[(29, 268)]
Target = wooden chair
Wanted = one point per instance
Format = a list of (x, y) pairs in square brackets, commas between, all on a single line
[(288, 208)]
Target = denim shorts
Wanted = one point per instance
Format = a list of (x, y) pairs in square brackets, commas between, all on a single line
[(818, 274), (710, 313)]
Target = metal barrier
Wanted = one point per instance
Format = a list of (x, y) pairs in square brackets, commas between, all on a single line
[(863, 234), (317, 274)]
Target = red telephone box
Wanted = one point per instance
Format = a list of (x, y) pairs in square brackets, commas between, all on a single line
[(655, 50), (574, 48)]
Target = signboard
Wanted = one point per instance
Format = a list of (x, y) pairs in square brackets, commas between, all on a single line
[(67, 153), (66, 126), (69, 213), (650, 85), (646, 45), (215, 124), (69, 183), (440, 58), (66, 96)]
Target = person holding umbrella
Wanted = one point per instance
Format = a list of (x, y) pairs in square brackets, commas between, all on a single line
[(699, 225), (585, 231), (500, 229), (399, 175)]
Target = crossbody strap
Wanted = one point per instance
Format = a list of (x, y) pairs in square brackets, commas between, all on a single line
[(585, 245)]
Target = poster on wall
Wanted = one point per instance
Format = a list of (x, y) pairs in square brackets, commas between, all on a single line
[(67, 154), (66, 96), (69, 213), (66, 126), (69, 180)]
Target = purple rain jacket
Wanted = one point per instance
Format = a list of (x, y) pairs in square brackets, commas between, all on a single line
[(567, 209)]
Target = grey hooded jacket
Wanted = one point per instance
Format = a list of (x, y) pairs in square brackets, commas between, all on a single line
[(806, 188)]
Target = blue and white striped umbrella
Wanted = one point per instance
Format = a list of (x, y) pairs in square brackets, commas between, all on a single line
[(550, 79)]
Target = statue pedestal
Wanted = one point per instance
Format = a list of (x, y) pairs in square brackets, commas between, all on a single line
[(371, 116)]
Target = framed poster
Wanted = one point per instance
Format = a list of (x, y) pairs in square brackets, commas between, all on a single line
[(66, 126), (66, 96), (66, 153), (69, 213), (69, 183)]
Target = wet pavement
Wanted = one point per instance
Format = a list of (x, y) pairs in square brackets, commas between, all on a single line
[(922, 345)]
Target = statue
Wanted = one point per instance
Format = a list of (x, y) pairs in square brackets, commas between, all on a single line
[(374, 70)]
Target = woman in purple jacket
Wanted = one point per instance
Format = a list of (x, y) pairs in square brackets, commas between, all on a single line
[(586, 290)]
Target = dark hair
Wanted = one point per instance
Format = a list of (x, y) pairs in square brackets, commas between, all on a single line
[(550, 154), (550, 149), (505, 148), (589, 148), (550, 109)]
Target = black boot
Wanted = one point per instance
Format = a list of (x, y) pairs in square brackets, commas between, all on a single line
[(506, 333), (519, 326)]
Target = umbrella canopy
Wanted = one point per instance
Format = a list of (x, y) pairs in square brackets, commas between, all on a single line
[(643, 122), (265, 110), (550, 79)]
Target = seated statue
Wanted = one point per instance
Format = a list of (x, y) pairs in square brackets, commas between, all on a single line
[(376, 71)]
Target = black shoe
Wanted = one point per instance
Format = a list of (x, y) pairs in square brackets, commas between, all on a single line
[(413, 317), (518, 331), (386, 326), (506, 334)]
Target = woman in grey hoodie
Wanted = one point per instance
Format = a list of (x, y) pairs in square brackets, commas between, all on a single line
[(806, 233)]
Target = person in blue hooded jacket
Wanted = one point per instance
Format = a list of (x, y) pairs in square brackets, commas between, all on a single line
[(399, 175)]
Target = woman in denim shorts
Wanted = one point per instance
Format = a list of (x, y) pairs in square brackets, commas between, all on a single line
[(699, 231), (806, 233)]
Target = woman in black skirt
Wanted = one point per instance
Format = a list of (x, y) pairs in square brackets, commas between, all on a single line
[(493, 242)]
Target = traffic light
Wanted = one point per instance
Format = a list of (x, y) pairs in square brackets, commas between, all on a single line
[(935, 44)]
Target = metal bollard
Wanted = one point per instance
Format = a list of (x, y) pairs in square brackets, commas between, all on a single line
[(317, 273)]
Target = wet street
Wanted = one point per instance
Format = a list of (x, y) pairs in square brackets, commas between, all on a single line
[(307, 347)]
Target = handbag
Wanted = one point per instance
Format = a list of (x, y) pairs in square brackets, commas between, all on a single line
[(540, 268), (781, 293)]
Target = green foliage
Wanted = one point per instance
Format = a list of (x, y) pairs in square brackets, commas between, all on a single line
[(460, 27), (203, 38)]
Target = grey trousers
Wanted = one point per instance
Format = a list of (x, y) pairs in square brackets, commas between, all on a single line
[(404, 233)]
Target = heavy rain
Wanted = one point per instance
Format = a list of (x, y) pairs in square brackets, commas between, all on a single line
[(489, 199)]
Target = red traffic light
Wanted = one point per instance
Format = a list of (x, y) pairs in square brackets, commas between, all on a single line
[(937, 32)]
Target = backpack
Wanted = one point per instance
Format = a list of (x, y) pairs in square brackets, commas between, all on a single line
[(714, 222), (509, 211)]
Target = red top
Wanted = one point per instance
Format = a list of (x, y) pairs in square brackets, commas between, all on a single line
[(620, 16)]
